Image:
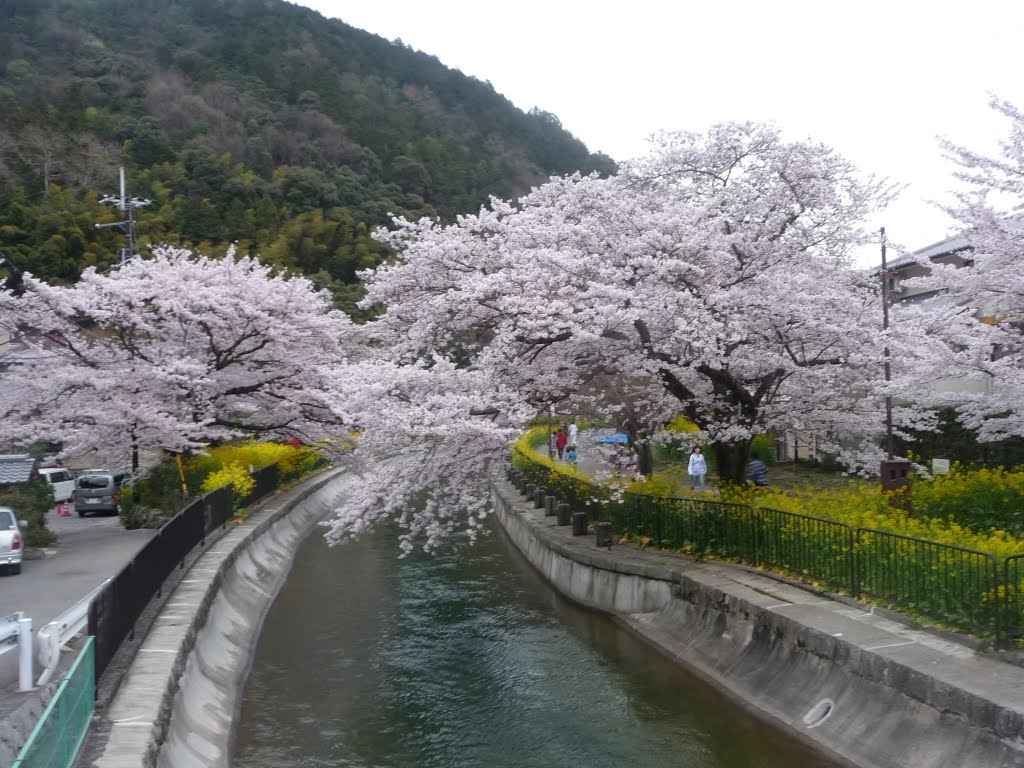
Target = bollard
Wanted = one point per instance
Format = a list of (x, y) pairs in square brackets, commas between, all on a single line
[(579, 523), (528, 491), (564, 513), (604, 534), (538, 498), (550, 502), (24, 653)]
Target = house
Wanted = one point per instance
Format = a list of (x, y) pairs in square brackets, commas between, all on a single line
[(16, 469), (953, 250)]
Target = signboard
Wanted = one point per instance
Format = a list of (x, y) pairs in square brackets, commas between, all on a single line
[(940, 466)]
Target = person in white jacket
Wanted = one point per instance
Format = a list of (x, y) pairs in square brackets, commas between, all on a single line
[(697, 468)]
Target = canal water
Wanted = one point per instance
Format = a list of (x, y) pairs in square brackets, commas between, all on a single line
[(469, 659)]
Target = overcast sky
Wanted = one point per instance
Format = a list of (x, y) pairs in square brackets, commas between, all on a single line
[(879, 81)]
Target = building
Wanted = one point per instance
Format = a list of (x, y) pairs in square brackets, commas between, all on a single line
[(953, 250), (16, 469)]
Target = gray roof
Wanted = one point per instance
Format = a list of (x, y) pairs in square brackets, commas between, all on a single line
[(933, 251), (16, 468)]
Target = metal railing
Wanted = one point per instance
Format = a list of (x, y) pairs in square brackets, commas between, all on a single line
[(57, 737), (956, 585), (964, 589), (60, 631), (807, 546), (116, 608)]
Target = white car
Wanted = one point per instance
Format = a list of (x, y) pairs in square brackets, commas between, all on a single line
[(60, 480), (11, 544)]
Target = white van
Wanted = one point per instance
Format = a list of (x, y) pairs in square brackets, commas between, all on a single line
[(60, 480)]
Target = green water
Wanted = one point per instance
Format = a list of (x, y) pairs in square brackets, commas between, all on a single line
[(469, 659)]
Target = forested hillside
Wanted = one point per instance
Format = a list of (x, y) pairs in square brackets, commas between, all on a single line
[(254, 121)]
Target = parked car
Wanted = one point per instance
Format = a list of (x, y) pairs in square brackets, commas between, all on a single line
[(61, 480), (11, 545), (96, 490)]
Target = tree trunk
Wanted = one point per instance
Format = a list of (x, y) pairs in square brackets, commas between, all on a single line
[(645, 459), (732, 459)]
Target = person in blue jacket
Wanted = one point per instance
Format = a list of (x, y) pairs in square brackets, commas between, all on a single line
[(757, 473)]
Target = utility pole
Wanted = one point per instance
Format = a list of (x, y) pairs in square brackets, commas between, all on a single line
[(885, 327), (126, 205), (895, 472)]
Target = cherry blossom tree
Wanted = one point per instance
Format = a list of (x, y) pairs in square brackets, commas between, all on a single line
[(170, 352), (430, 436), (712, 276), (981, 307)]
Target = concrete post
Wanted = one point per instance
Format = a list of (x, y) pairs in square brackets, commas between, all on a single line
[(529, 490), (538, 498), (579, 523), (550, 502), (24, 653), (564, 514), (604, 534)]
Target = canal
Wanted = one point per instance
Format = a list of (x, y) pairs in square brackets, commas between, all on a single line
[(469, 659)]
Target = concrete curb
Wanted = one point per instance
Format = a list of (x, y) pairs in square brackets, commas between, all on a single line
[(177, 703), (868, 691)]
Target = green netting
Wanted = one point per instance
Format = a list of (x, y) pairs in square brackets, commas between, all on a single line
[(55, 740)]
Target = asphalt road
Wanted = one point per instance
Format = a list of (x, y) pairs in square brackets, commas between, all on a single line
[(89, 550)]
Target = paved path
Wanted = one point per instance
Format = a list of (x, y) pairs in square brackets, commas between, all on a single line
[(89, 550)]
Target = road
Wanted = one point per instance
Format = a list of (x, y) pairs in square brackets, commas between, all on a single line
[(89, 550)]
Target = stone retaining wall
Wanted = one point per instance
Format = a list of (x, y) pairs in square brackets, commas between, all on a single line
[(177, 704), (864, 690)]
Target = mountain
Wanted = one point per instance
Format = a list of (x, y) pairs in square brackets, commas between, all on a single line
[(254, 121)]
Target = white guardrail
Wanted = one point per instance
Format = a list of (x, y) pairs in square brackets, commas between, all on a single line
[(16, 632), (58, 633)]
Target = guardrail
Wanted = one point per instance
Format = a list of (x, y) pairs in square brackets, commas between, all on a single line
[(16, 633), (59, 632), (962, 588), (57, 737), (114, 611)]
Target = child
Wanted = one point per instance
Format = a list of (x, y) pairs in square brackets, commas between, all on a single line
[(570, 455)]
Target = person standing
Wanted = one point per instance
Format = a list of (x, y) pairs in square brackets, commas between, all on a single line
[(697, 468), (573, 433), (561, 440)]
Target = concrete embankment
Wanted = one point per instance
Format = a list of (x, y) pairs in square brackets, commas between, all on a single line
[(865, 690), (177, 704)]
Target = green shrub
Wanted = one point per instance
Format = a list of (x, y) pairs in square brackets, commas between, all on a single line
[(30, 503)]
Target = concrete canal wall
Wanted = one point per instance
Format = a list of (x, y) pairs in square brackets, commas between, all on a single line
[(177, 704), (865, 690)]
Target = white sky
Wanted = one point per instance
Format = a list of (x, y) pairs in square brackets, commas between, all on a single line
[(877, 80)]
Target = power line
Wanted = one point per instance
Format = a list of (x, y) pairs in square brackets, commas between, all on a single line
[(128, 205)]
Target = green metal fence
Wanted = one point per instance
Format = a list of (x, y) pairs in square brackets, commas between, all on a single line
[(957, 585), (964, 589), (55, 740)]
